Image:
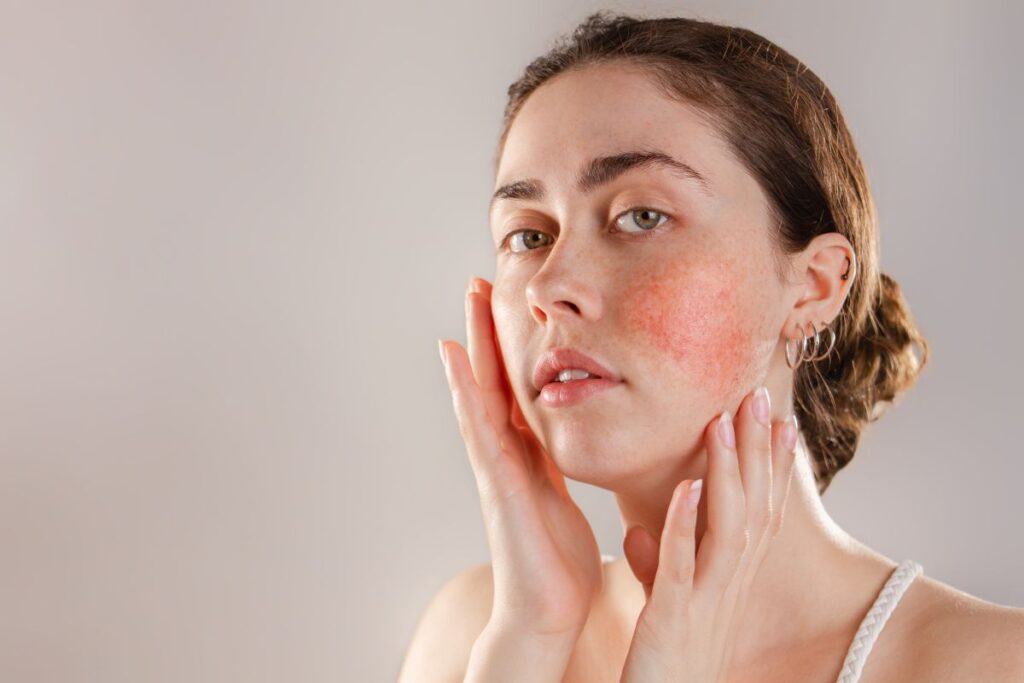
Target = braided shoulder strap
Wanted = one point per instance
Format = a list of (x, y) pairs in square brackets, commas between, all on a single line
[(885, 603)]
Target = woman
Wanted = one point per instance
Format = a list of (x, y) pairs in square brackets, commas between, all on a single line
[(681, 217)]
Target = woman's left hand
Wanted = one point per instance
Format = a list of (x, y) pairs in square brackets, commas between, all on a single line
[(695, 597)]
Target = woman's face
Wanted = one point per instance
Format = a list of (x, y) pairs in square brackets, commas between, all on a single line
[(663, 279)]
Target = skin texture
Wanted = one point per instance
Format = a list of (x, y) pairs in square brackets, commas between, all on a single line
[(691, 315)]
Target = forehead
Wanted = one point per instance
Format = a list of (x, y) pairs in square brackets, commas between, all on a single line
[(603, 109)]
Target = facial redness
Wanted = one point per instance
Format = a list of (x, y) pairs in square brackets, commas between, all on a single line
[(698, 315)]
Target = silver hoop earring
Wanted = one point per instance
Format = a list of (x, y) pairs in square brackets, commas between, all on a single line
[(811, 355), (800, 351), (831, 344), (813, 343)]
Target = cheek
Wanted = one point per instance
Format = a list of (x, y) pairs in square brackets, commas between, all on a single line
[(698, 317)]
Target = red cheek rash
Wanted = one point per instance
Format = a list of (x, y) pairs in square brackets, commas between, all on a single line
[(696, 315)]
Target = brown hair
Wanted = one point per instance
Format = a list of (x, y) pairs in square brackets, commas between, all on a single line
[(784, 125)]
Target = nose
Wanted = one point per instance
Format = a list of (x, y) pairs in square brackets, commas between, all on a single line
[(564, 287)]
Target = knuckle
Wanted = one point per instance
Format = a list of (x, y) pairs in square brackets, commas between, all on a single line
[(741, 542), (682, 572), (684, 531), (651, 630), (459, 402), (485, 488), (465, 429)]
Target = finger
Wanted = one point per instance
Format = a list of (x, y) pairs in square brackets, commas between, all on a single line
[(641, 550), (783, 460), (754, 441), (480, 336), (490, 363), (478, 284), (673, 585), (510, 511), (498, 475), (485, 290), (725, 538), (480, 350)]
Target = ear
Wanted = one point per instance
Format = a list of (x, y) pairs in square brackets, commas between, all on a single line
[(822, 288)]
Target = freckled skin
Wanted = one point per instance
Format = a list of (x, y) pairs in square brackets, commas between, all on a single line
[(694, 314), (689, 318)]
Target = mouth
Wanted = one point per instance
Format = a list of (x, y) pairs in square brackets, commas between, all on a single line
[(564, 375)]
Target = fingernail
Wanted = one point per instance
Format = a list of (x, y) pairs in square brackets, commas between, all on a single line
[(440, 349), (762, 408), (789, 437), (693, 495), (472, 284), (725, 430)]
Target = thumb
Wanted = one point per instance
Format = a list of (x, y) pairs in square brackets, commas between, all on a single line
[(641, 550)]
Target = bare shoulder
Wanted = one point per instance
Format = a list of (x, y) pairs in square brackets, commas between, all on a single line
[(961, 637), (454, 618)]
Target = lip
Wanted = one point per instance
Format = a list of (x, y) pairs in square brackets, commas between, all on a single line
[(558, 394), (563, 357)]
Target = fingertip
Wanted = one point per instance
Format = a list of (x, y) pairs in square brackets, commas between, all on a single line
[(717, 452), (641, 551), (481, 285), (693, 494), (790, 432), (726, 431), (442, 345), (453, 356)]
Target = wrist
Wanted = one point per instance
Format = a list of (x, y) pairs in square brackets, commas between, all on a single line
[(505, 653)]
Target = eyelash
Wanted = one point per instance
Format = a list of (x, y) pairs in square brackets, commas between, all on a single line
[(643, 234)]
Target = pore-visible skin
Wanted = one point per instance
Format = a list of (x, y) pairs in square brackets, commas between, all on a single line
[(688, 315), (692, 316), (696, 317)]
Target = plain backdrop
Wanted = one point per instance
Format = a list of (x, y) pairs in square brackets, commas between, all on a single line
[(231, 234)]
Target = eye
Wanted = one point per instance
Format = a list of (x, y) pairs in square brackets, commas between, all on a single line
[(528, 240), (524, 240), (648, 219)]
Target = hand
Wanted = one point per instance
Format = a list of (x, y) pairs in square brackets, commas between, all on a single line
[(687, 628), (546, 561)]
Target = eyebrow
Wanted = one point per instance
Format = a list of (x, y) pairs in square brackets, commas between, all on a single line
[(602, 170)]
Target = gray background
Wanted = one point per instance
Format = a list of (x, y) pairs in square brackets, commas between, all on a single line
[(231, 234)]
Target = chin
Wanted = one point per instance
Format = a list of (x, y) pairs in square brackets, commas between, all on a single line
[(621, 458)]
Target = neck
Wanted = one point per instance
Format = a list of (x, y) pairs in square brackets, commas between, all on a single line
[(815, 580)]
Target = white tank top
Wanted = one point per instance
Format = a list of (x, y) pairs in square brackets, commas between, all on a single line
[(857, 655)]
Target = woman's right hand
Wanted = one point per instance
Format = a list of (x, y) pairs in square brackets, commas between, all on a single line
[(546, 562)]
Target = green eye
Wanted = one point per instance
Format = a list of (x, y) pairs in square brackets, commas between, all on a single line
[(645, 219), (648, 220)]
